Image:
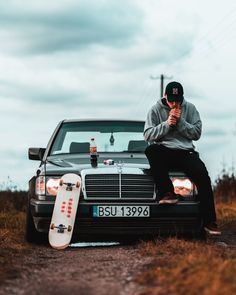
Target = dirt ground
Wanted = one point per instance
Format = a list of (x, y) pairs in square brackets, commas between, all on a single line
[(94, 270), (83, 271)]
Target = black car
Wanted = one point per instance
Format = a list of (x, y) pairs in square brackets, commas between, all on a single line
[(118, 196)]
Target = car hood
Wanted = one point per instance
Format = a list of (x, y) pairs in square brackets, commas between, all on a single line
[(59, 165)]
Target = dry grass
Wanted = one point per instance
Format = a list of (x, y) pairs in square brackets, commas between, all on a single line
[(225, 187), (13, 201), (226, 213), (12, 225), (191, 267), (184, 267), (12, 243), (12, 219)]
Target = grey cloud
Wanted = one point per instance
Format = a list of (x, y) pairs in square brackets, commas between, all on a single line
[(41, 95), (215, 133), (176, 47), (76, 25), (51, 95), (212, 143), (147, 53), (14, 153), (222, 115), (168, 50)]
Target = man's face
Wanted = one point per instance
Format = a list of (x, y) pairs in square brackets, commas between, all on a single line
[(172, 104)]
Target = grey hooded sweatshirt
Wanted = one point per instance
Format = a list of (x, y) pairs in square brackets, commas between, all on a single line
[(188, 128)]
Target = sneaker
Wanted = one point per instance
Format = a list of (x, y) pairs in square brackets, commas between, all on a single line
[(169, 198), (212, 229)]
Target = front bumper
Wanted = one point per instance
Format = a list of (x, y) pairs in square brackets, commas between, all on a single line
[(183, 217)]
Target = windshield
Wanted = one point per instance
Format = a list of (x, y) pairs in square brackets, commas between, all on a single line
[(110, 136)]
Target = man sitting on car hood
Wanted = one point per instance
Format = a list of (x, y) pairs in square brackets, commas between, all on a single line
[(171, 126)]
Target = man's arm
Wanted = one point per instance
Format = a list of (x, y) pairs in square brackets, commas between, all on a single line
[(192, 130), (155, 129)]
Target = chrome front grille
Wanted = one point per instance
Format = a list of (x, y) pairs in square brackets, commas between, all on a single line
[(118, 186)]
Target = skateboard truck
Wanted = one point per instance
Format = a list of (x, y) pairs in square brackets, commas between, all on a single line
[(69, 185), (61, 228)]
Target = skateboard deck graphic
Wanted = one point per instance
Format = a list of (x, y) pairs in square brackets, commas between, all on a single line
[(64, 212)]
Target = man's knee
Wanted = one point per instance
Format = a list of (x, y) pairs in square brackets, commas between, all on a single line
[(157, 158), (149, 150), (153, 149)]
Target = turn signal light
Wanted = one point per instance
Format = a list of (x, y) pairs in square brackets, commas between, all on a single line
[(40, 185)]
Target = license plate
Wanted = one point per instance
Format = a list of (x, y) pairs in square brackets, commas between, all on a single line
[(121, 211)]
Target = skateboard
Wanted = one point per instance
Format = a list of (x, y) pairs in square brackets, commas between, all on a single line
[(64, 212)]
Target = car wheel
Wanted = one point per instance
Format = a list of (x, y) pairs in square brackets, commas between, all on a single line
[(31, 234), (201, 235)]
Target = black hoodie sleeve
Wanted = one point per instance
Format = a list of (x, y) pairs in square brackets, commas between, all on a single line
[(154, 128)]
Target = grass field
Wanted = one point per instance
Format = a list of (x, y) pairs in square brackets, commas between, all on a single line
[(192, 267), (12, 217), (12, 224)]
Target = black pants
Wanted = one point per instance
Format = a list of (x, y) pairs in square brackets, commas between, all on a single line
[(163, 159)]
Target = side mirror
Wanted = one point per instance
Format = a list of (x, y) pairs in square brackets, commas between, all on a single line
[(36, 153)]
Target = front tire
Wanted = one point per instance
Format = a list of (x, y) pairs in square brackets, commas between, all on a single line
[(31, 234)]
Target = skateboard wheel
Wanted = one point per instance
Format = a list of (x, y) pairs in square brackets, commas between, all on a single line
[(61, 182), (52, 226), (77, 184), (69, 228)]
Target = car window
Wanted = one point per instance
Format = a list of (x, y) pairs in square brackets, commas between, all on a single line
[(110, 136)]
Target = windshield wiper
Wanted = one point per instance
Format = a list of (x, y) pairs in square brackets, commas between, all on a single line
[(134, 152)]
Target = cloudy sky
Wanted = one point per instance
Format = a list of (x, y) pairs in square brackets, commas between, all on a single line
[(86, 59)]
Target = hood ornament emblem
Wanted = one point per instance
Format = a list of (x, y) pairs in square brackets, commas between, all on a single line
[(119, 167)]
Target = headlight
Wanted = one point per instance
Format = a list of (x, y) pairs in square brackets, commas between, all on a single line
[(47, 185), (183, 186), (52, 184)]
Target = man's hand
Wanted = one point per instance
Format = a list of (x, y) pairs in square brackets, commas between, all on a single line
[(174, 116), (172, 121), (175, 112)]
